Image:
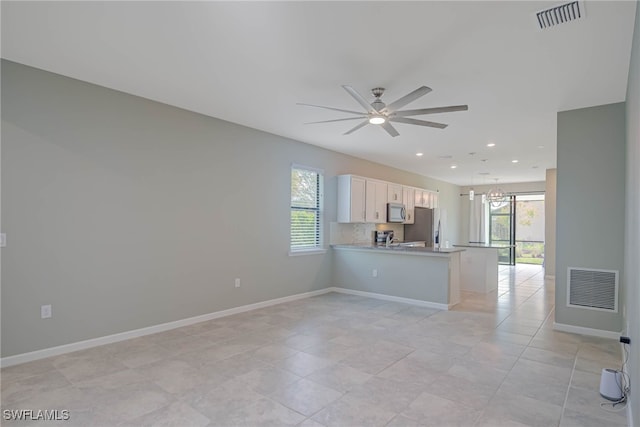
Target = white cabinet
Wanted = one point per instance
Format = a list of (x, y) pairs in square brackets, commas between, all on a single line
[(365, 200), (433, 200), (394, 193), (408, 195), (351, 198), (376, 201), (421, 198), (425, 198)]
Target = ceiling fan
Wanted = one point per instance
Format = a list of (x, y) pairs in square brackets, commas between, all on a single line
[(378, 113)]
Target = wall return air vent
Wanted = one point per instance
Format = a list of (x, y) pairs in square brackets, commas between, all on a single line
[(561, 14), (592, 289)]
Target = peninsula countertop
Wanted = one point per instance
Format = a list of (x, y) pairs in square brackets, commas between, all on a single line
[(399, 249), (483, 246)]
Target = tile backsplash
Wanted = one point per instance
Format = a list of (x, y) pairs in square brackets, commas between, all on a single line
[(341, 233)]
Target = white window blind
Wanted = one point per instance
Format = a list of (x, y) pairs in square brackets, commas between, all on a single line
[(306, 208)]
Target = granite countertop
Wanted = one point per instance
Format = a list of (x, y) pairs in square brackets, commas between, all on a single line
[(398, 248)]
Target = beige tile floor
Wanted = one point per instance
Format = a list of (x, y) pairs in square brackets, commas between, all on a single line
[(339, 360)]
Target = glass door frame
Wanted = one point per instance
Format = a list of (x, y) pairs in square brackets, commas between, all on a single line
[(511, 249)]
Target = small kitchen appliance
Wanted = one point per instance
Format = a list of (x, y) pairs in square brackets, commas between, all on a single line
[(382, 237), (396, 212)]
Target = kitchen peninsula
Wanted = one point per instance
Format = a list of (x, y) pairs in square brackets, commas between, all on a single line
[(426, 276), (479, 267)]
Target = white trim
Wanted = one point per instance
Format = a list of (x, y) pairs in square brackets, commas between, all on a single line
[(314, 251), (308, 168), (411, 301), (108, 339), (586, 331), (550, 277)]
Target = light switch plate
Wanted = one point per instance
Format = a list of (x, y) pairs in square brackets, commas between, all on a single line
[(3, 240)]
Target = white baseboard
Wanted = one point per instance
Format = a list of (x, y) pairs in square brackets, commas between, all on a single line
[(585, 331), (393, 298), (94, 342)]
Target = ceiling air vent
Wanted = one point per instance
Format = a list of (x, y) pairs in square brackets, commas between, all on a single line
[(560, 14), (593, 289)]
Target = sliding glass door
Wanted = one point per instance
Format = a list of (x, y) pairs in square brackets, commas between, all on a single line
[(530, 229), (518, 224), (502, 229)]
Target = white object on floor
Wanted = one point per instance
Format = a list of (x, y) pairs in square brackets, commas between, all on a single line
[(611, 384)]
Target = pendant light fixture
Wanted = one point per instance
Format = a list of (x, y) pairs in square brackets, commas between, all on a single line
[(496, 196)]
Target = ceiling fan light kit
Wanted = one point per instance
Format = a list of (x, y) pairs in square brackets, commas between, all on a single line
[(379, 113)]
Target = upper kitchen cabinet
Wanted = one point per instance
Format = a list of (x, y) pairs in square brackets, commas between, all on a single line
[(351, 198), (425, 199), (365, 199), (395, 193), (376, 201), (421, 198), (408, 195)]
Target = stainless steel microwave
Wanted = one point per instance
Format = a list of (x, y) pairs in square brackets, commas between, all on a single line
[(396, 212)]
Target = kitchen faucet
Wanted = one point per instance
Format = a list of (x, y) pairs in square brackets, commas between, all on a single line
[(389, 239)]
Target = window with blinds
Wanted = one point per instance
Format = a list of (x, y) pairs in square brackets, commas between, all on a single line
[(306, 208)]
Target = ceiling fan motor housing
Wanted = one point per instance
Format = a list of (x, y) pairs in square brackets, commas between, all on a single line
[(378, 105), (377, 91)]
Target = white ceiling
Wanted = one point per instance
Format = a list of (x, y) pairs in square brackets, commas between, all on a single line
[(251, 62)]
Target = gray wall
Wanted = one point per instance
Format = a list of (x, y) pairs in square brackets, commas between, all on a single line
[(125, 213), (419, 277), (550, 223), (632, 241), (590, 204)]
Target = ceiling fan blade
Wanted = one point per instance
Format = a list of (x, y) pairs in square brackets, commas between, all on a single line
[(330, 108), (410, 97), (390, 129), (366, 122), (337, 120), (436, 110), (360, 99), (417, 122)]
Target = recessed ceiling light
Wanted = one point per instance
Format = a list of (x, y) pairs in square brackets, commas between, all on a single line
[(419, 154), (491, 144), (514, 161), (454, 166)]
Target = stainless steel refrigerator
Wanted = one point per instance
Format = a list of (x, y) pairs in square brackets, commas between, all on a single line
[(422, 228), (429, 226)]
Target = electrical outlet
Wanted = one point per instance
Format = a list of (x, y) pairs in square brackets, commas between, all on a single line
[(45, 311), (374, 273), (237, 283)]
